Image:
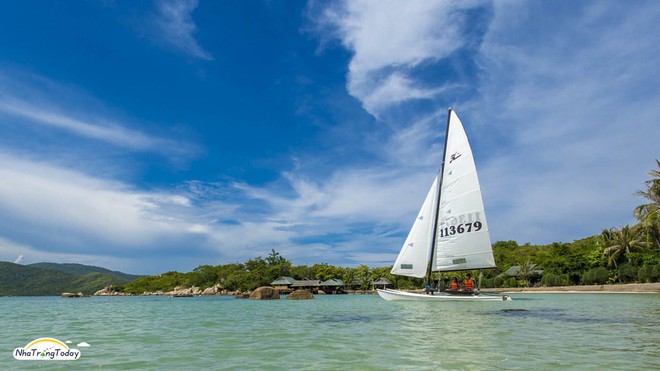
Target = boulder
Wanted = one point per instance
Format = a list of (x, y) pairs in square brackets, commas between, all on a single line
[(103, 292), (241, 295), (184, 291), (213, 290), (300, 295), (71, 295), (265, 293)]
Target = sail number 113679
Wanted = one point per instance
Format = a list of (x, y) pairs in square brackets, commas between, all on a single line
[(461, 228)]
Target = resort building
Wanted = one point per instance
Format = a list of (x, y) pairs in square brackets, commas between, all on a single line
[(306, 284), (381, 283), (514, 271), (283, 283), (333, 286)]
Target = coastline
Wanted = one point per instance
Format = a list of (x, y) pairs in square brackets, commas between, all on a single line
[(629, 288)]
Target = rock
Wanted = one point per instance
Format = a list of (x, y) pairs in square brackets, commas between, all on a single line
[(241, 295), (71, 295), (103, 292), (265, 293), (320, 292), (213, 290), (300, 295), (180, 291)]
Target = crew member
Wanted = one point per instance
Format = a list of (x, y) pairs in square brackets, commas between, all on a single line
[(468, 284), (454, 284)]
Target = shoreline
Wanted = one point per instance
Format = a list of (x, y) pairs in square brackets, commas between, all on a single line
[(629, 288)]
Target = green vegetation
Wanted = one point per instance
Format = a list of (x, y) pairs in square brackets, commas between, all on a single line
[(260, 272), (617, 255), (80, 269), (36, 280)]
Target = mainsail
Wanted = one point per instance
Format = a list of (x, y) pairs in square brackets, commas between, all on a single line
[(461, 240)]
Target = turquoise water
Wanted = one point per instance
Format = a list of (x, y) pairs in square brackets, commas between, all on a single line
[(344, 332)]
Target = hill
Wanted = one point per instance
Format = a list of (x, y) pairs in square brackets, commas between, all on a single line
[(84, 269), (38, 280)]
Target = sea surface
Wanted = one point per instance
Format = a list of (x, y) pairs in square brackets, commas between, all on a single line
[(339, 332)]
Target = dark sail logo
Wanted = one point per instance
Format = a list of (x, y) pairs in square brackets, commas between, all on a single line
[(454, 157)]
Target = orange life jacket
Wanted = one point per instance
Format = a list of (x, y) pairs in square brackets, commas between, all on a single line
[(468, 284), (453, 285)]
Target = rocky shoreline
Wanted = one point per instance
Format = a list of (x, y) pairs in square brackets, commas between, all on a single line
[(631, 288), (210, 291), (177, 292)]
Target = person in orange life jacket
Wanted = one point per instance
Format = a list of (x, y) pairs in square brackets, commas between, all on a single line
[(454, 284), (468, 284)]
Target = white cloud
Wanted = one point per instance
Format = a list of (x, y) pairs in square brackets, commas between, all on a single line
[(395, 88), (58, 214), (389, 39), (564, 122), (110, 133), (31, 99), (52, 207), (579, 108), (175, 27)]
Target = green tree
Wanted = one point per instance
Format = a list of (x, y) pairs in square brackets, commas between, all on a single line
[(572, 259), (277, 266), (648, 214), (627, 273), (203, 276), (325, 271), (274, 258), (362, 276), (348, 276), (301, 271), (241, 281), (620, 242), (525, 271)]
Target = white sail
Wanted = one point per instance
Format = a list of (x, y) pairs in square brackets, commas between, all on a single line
[(450, 231), (415, 253), (462, 240)]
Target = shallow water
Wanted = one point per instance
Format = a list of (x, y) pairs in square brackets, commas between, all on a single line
[(361, 332)]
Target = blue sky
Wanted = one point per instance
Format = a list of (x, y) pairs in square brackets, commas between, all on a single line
[(160, 135)]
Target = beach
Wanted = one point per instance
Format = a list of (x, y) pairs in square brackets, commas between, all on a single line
[(630, 288)]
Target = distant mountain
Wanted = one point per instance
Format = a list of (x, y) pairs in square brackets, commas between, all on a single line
[(83, 269), (53, 279)]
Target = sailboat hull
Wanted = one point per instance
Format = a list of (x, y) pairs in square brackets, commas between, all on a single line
[(391, 295)]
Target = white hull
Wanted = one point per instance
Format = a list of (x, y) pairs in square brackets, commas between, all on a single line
[(389, 295)]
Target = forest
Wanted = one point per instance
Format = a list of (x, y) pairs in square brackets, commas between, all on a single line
[(618, 255)]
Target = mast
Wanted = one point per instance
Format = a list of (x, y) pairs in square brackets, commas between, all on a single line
[(429, 268)]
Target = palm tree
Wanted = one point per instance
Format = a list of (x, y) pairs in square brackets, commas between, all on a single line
[(525, 271), (620, 242), (648, 215)]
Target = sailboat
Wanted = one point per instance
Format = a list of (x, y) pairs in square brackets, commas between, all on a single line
[(450, 232)]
